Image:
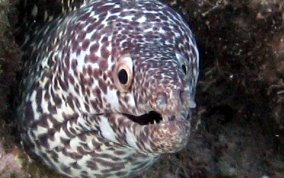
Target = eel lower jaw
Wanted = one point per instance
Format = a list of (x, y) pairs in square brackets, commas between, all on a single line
[(160, 133)]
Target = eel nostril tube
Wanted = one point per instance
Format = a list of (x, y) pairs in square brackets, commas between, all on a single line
[(162, 101), (186, 99)]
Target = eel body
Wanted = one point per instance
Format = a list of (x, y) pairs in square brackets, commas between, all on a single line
[(107, 87)]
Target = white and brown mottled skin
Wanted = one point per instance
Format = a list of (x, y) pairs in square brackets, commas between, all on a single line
[(79, 117)]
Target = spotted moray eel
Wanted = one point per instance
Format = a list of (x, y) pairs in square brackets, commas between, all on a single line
[(107, 86)]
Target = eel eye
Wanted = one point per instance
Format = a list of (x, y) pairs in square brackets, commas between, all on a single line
[(123, 73), (184, 68), (183, 63), (122, 76)]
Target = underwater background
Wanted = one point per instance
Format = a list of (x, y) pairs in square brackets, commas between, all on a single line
[(238, 126)]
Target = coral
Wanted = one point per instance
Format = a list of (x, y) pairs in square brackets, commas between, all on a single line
[(10, 163)]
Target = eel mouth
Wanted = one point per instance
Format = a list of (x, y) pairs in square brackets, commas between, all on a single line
[(154, 117), (152, 133), (158, 132), (151, 117)]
